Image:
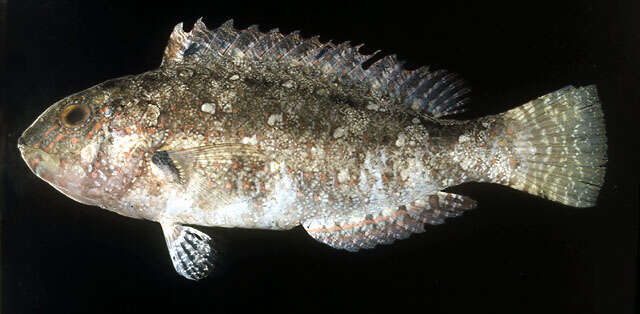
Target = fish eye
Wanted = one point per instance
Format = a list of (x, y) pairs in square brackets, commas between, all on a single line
[(75, 115)]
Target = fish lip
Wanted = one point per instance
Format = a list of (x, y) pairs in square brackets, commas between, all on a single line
[(48, 175), (21, 143), (25, 150)]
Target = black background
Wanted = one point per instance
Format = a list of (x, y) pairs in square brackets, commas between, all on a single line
[(514, 254)]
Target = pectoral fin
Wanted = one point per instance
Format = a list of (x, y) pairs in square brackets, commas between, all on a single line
[(180, 164), (213, 171), (190, 250)]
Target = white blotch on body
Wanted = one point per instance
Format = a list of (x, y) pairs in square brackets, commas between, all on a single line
[(372, 106), (364, 186), (250, 140), (318, 152), (343, 176), (122, 146), (288, 84), (274, 118), (402, 138), (463, 138), (208, 108), (88, 153), (177, 203), (226, 108), (274, 166), (280, 202)]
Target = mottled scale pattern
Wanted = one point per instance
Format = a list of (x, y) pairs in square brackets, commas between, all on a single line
[(242, 128)]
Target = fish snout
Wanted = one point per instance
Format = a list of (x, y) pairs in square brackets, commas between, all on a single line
[(21, 143), (41, 164), (70, 179)]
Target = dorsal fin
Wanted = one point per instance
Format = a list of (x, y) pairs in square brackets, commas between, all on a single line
[(434, 94)]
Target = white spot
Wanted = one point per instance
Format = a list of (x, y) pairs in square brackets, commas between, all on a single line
[(178, 202), (463, 138), (466, 163), (383, 157), (208, 108), (227, 108), (378, 186), (280, 202), (234, 77), (354, 220), (156, 171), (237, 61), (416, 105), (250, 140), (339, 132), (88, 153), (372, 106), (318, 152), (389, 211), (401, 140), (238, 53), (151, 115), (108, 111), (122, 146), (364, 187), (415, 121), (274, 166), (237, 212), (343, 175), (274, 118), (368, 162), (404, 174), (288, 84)]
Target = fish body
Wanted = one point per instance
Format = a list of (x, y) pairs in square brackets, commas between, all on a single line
[(239, 128)]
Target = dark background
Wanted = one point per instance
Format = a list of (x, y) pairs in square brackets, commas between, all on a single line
[(515, 254)]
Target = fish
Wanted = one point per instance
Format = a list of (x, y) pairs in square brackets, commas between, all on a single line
[(240, 128)]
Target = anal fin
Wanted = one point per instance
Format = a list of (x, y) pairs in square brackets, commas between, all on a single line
[(190, 250), (387, 225)]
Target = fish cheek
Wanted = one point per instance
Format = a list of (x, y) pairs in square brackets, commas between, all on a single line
[(112, 160), (113, 173)]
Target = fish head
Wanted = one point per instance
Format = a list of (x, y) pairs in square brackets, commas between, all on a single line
[(71, 144)]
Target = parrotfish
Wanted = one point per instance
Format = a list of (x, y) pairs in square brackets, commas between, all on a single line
[(251, 129)]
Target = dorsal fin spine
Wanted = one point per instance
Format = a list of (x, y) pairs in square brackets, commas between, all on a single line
[(434, 94), (285, 45)]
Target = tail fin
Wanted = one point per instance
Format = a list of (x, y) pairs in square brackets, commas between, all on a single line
[(561, 146)]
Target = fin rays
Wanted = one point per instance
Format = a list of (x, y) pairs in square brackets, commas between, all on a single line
[(562, 146), (385, 226), (190, 251), (434, 94)]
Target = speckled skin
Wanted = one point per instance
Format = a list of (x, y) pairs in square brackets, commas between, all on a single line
[(328, 149), (229, 132)]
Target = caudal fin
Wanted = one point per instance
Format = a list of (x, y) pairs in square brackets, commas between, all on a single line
[(561, 146)]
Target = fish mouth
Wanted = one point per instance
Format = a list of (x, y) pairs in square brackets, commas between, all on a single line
[(68, 179)]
